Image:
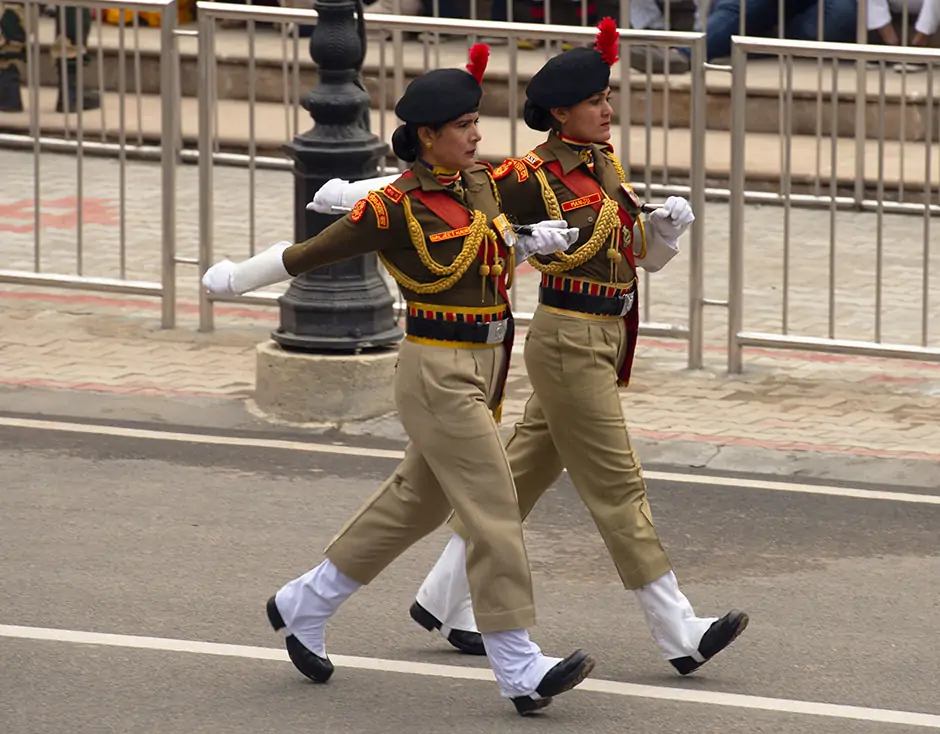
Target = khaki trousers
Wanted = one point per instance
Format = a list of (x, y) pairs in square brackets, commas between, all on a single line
[(455, 459), (574, 419)]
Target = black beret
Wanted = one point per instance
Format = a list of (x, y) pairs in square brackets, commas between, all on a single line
[(575, 75), (443, 95), (439, 96)]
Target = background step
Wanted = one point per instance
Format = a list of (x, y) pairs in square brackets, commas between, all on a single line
[(662, 99), (663, 156)]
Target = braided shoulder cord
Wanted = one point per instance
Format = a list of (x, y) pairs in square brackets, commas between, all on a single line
[(453, 272), (607, 225)]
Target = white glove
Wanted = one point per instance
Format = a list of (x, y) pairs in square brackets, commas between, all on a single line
[(673, 219), (342, 194), (546, 237), (227, 278)]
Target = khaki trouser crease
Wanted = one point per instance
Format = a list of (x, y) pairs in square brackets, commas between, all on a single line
[(574, 419), (455, 460)]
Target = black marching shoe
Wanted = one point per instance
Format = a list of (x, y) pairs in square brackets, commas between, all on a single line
[(313, 666), (470, 643), (716, 638), (563, 677), (11, 100)]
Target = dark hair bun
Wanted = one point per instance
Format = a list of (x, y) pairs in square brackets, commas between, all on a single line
[(536, 116), (405, 143)]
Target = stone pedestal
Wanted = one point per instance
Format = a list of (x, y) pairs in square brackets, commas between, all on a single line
[(323, 388)]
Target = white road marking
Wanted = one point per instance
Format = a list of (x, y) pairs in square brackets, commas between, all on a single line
[(322, 448), (663, 693)]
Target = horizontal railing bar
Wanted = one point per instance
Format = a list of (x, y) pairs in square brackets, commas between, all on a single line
[(457, 26), (107, 4), (78, 282), (828, 49), (837, 346)]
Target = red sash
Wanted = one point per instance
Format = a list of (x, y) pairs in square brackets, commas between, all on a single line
[(456, 215), (582, 185)]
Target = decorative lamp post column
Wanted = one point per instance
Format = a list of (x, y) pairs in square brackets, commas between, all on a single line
[(345, 307)]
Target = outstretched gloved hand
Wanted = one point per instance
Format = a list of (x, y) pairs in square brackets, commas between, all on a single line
[(227, 278), (546, 237), (673, 219), (338, 192)]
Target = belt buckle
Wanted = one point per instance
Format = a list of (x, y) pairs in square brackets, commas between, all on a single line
[(496, 331), (627, 303)]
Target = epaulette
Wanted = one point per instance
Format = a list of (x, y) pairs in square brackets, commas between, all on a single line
[(378, 206), (394, 194), (482, 165), (512, 164), (533, 160)]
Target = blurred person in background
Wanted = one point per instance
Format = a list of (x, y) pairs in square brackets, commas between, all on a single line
[(800, 22), (13, 55), (928, 20), (648, 15)]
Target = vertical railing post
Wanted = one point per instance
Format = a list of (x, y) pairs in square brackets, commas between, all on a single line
[(697, 184), (861, 105), (206, 134), (736, 265), (169, 103)]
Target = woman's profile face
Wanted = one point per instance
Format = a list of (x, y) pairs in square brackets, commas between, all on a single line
[(453, 146), (589, 120)]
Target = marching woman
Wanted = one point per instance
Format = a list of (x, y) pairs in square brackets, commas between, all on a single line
[(439, 232), (579, 349)]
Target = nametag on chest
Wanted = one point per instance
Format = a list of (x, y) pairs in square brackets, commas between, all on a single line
[(589, 200), (450, 234)]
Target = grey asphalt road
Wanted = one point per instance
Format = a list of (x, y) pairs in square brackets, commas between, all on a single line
[(133, 536)]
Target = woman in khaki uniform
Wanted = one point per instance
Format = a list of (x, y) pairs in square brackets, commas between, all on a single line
[(435, 229), (580, 347)]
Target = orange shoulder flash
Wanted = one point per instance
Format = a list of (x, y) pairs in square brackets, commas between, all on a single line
[(378, 206), (358, 210)]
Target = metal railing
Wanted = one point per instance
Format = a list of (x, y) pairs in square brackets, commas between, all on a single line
[(42, 262), (901, 315), (387, 83)]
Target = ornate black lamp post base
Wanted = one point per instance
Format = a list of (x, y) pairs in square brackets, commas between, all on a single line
[(345, 307)]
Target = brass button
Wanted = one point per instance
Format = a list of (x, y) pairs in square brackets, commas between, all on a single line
[(591, 220)]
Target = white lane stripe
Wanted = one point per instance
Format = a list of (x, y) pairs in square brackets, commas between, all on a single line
[(663, 693), (320, 448)]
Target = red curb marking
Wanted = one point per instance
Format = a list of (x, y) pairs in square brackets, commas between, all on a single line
[(94, 211)]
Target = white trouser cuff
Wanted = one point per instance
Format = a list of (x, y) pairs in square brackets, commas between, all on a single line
[(307, 602), (356, 190), (445, 592), (517, 662), (671, 618), (265, 268)]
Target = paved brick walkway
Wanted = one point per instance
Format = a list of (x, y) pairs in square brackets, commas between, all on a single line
[(784, 401)]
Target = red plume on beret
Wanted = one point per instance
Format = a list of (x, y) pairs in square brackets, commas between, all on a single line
[(607, 41), (479, 55)]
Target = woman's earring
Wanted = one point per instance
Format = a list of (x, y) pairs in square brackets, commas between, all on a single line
[(427, 144)]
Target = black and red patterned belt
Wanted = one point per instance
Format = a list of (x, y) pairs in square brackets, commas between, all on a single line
[(587, 296), (457, 326)]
